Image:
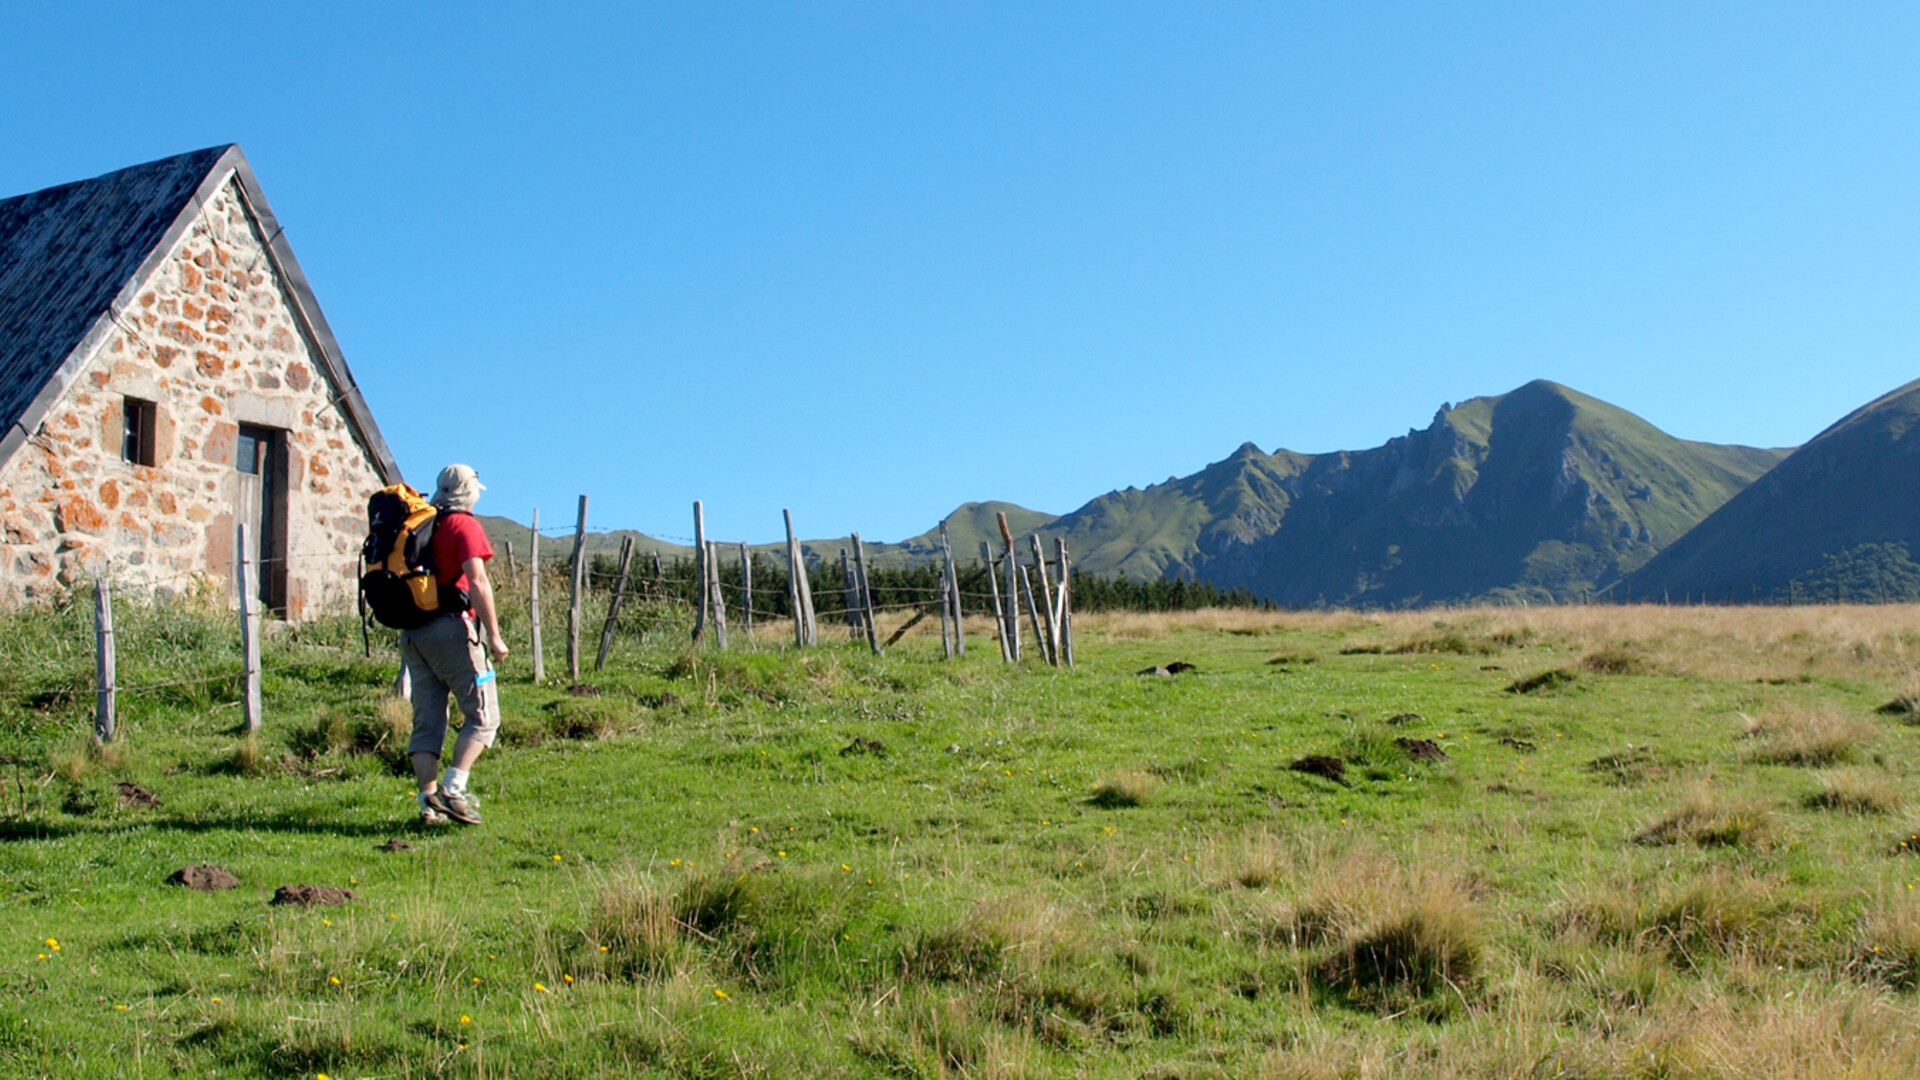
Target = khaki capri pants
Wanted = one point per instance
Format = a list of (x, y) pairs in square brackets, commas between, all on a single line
[(445, 657)]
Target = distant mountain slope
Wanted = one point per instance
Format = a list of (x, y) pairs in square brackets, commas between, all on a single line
[(971, 523), (1840, 518), (1540, 492)]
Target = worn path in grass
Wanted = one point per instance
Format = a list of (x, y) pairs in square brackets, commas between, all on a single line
[(773, 862)]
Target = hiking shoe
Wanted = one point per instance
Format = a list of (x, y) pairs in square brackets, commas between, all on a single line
[(431, 818), (456, 804)]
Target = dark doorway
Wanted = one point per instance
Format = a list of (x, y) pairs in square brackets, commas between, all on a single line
[(260, 458)]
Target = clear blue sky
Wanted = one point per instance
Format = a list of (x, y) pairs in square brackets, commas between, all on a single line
[(872, 260)]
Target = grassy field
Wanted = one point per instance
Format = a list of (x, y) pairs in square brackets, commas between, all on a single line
[(1677, 854)]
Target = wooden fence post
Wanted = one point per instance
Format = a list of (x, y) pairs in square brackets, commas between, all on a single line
[(849, 595), (103, 663), (513, 571), (717, 598), (533, 599), (1033, 614), (993, 589), (946, 599), (1065, 621), (575, 614), (613, 605), (1043, 613), (700, 571), (1013, 590), (793, 584), (249, 630), (746, 592), (953, 595), (866, 594)]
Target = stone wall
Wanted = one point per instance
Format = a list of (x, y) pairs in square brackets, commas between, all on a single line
[(214, 342)]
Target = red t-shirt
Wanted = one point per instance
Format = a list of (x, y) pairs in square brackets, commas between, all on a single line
[(457, 537)]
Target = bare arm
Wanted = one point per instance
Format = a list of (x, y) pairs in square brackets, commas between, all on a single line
[(480, 591)]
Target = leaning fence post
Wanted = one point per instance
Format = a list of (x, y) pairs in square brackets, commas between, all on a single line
[(613, 605), (249, 631), (953, 594), (533, 599), (1033, 613), (793, 584), (1013, 590), (513, 570), (746, 592), (946, 602), (103, 661), (993, 590), (849, 595), (1065, 621), (574, 613), (1043, 622), (866, 594), (715, 596)]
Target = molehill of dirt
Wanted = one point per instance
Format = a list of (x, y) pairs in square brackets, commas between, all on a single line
[(1421, 749), (204, 878), (1319, 765), (311, 895), (135, 795), (394, 845)]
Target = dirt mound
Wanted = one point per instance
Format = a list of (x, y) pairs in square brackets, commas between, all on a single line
[(1319, 765), (1405, 718), (583, 690), (1543, 682), (204, 878), (1421, 749), (1521, 745), (394, 845), (862, 746), (135, 795), (309, 895)]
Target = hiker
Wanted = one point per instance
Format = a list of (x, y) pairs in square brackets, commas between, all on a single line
[(447, 655)]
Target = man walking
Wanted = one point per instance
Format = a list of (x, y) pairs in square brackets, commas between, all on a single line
[(447, 656)]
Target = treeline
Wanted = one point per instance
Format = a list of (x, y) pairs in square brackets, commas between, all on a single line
[(901, 586)]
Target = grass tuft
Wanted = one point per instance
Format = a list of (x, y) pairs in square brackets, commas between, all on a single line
[(1706, 821), (1124, 789), (1855, 791), (1424, 943), (1614, 660), (1812, 739)]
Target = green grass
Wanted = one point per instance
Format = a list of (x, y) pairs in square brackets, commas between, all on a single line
[(824, 863)]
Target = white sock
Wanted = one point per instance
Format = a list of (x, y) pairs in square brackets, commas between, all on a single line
[(456, 779)]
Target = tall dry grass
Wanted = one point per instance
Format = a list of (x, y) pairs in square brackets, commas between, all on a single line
[(1879, 642)]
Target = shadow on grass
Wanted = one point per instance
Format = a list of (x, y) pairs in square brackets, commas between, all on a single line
[(13, 831)]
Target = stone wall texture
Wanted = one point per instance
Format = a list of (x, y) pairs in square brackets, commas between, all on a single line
[(212, 340)]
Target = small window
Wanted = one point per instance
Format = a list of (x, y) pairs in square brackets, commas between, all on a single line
[(249, 450), (142, 418)]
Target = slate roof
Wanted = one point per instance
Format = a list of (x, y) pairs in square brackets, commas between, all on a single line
[(74, 257)]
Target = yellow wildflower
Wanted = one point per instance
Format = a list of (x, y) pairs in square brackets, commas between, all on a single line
[(721, 994)]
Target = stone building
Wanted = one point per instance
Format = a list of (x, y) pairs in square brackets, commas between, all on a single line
[(165, 376)]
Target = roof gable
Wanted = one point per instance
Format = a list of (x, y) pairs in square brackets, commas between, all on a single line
[(73, 257)]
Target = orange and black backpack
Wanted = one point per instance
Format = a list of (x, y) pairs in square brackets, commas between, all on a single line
[(396, 564)]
